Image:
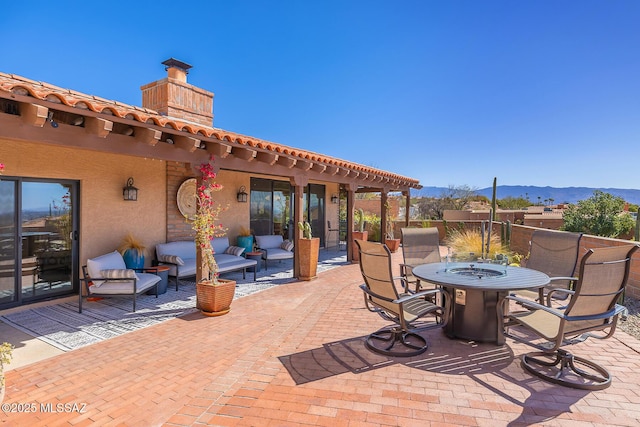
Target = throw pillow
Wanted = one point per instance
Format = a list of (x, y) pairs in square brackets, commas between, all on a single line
[(234, 250), (287, 245), (118, 274), (171, 259)]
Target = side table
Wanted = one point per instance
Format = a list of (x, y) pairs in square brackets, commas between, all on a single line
[(163, 272), (254, 255)]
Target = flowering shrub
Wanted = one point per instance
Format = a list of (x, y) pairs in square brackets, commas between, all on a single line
[(1, 168), (205, 222)]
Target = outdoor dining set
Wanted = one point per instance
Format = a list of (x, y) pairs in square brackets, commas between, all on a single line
[(558, 299)]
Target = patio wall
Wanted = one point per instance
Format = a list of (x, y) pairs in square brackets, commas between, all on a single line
[(105, 218), (521, 235)]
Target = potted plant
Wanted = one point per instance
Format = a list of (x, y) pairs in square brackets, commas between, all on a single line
[(392, 243), (132, 251), (359, 234), (308, 249), (245, 239), (6, 350), (213, 295)]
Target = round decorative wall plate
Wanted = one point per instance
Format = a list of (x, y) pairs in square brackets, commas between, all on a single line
[(186, 198)]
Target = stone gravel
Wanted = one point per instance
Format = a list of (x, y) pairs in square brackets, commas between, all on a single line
[(632, 324)]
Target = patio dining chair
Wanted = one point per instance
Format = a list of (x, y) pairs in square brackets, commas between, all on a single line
[(592, 311), (554, 253), (419, 246), (405, 310)]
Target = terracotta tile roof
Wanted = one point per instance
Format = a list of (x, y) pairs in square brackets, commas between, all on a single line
[(44, 91)]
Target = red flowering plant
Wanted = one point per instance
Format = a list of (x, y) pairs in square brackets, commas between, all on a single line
[(1, 168), (205, 221)]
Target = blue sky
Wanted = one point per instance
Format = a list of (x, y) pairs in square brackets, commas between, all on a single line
[(541, 93)]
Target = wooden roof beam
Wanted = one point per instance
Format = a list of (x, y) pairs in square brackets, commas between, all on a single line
[(218, 150), (305, 165), (98, 126), (266, 157), (287, 162), (34, 114), (318, 167), (186, 143), (243, 153), (331, 170), (148, 136)]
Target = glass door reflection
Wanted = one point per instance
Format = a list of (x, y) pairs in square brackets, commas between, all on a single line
[(47, 225)]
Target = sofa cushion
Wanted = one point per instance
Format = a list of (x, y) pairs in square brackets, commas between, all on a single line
[(277, 253), (268, 242), (110, 261), (287, 245), (172, 259), (219, 244), (145, 282), (234, 250)]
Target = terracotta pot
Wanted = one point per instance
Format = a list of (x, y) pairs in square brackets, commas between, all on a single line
[(392, 244), (308, 250), (215, 300), (360, 235)]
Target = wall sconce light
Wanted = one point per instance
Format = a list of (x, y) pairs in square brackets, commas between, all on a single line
[(130, 192), (242, 195), (50, 119), (334, 199)]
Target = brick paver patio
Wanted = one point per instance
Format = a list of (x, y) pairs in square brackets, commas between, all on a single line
[(293, 355)]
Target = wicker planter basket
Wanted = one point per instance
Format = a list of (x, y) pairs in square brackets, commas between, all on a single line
[(215, 300), (308, 250)]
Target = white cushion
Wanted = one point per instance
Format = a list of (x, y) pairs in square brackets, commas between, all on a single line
[(145, 282), (110, 261)]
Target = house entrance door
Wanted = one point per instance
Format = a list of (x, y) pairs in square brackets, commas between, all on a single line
[(38, 249)]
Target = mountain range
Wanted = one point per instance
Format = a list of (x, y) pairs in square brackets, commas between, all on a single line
[(541, 194)]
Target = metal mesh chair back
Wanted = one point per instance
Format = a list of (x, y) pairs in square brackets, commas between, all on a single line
[(602, 276), (420, 245), (554, 253), (375, 265)]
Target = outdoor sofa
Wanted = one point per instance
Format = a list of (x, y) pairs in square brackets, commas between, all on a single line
[(180, 257)]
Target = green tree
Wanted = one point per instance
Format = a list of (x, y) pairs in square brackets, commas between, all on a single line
[(600, 215), (510, 202)]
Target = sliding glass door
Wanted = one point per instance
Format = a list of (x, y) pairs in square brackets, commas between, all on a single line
[(38, 221), (272, 204)]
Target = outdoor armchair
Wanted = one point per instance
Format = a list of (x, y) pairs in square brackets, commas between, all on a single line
[(419, 246), (274, 247), (592, 311), (108, 276), (406, 310), (554, 253)]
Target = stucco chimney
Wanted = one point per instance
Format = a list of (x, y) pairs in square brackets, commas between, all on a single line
[(173, 96)]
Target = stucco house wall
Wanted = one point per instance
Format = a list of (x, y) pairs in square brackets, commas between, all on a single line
[(105, 218)]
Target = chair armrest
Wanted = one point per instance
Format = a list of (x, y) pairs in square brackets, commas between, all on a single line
[(420, 294), (573, 279), (529, 304)]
